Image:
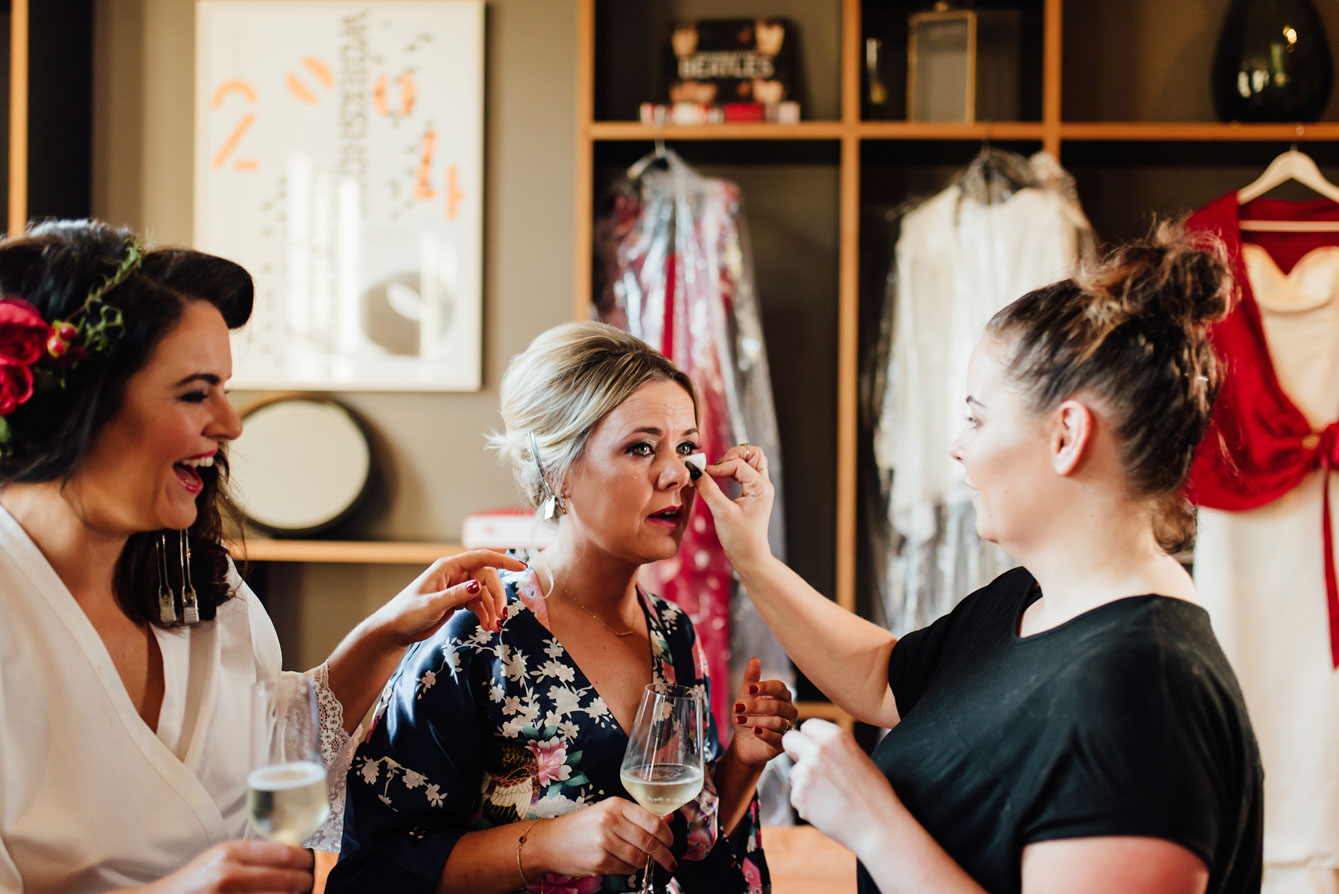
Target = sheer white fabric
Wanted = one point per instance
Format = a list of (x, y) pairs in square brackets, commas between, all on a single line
[(337, 748), (1007, 225)]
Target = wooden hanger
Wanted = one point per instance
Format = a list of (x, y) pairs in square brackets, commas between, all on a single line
[(1291, 165)]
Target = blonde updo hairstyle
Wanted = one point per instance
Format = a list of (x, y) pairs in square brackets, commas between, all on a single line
[(560, 388), (1133, 330)]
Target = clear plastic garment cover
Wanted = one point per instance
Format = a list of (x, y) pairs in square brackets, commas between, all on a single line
[(674, 268), (1003, 226)]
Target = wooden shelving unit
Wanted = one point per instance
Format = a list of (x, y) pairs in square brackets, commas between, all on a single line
[(863, 153), (852, 150)]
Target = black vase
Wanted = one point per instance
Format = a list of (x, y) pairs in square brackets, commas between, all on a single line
[(1272, 63)]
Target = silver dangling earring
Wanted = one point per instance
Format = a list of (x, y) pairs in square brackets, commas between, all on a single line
[(190, 605), (167, 604), (553, 505)]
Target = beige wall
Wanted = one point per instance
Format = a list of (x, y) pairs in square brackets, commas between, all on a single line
[(431, 446)]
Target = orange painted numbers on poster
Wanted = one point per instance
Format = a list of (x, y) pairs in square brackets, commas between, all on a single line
[(243, 124), (301, 89), (408, 93)]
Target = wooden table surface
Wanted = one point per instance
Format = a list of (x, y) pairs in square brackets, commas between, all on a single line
[(805, 861)]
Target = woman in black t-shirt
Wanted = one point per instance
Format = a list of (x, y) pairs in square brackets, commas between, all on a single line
[(1072, 727)]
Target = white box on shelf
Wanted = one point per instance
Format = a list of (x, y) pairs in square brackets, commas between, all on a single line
[(502, 529)]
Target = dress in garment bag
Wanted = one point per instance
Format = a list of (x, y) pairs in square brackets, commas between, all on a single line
[(675, 255)]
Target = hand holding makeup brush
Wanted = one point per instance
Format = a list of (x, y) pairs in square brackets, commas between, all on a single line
[(741, 523)]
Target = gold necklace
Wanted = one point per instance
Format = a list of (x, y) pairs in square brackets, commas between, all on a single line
[(553, 584), (620, 635)]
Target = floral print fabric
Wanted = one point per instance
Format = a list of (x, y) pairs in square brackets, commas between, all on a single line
[(479, 729)]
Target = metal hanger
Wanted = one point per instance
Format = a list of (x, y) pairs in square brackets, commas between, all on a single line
[(996, 174), (659, 155)]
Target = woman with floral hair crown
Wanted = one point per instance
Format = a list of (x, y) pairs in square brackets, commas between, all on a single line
[(124, 689), (493, 762)]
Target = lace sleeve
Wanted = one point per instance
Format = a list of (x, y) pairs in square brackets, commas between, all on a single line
[(337, 749)]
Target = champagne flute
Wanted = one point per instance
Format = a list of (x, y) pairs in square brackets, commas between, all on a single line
[(285, 790), (662, 767)]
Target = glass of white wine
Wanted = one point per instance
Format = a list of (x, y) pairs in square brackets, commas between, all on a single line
[(662, 767), (285, 789)]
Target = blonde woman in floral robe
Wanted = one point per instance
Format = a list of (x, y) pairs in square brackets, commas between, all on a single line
[(528, 736), (492, 765)]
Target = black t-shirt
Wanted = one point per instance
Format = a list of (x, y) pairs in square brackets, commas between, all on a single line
[(1126, 720)]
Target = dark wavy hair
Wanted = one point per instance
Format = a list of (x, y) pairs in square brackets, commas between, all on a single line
[(53, 266), (1134, 331)]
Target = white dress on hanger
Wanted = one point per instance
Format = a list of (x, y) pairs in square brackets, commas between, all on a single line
[(1260, 576), (957, 262), (92, 798)]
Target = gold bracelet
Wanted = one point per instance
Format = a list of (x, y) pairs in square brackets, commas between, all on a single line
[(525, 882)]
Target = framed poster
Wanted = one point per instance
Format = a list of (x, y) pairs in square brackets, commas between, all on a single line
[(339, 158)]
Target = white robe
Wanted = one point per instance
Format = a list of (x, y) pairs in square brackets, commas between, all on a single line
[(91, 798), (957, 262)]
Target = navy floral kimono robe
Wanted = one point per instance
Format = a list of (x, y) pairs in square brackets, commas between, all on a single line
[(479, 729)]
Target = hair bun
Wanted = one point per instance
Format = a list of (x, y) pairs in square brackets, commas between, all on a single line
[(1173, 276)]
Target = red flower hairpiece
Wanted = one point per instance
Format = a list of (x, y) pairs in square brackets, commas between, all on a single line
[(36, 355)]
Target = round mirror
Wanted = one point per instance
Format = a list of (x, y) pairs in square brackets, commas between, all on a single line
[(301, 466)]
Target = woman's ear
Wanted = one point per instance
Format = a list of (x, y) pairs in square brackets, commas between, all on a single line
[(1071, 436)]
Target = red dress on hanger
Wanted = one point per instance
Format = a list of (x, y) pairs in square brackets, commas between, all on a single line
[(1264, 557), (1259, 445)]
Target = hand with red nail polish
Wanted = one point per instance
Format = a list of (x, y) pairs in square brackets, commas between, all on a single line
[(467, 580), (763, 714)]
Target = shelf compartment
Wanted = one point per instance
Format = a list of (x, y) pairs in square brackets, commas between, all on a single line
[(1138, 60), (631, 50), (888, 21), (341, 552), (1124, 184), (790, 197)]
